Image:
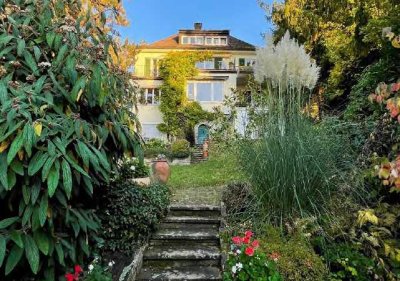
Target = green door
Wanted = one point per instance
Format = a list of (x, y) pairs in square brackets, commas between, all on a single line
[(202, 134)]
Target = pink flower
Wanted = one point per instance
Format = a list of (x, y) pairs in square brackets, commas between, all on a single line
[(237, 240), (248, 233), (395, 87), (255, 244), (249, 251)]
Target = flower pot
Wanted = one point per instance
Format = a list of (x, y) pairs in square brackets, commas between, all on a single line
[(161, 170)]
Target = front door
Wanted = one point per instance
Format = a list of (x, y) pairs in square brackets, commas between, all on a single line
[(202, 134)]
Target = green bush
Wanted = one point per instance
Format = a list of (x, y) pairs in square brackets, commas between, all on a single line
[(347, 263), (293, 174), (154, 147), (131, 168), (61, 126), (180, 149), (132, 213), (295, 258)]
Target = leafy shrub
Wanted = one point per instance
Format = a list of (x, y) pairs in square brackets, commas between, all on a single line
[(131, 168), (295, 258), (154, 147), (98, 273), (132, 213), (60, 127), (348, 263), (246, 262), (180, 149)]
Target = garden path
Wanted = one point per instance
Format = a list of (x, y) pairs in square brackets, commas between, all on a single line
[(197, 195)]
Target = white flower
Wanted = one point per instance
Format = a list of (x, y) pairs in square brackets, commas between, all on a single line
[(234, 269), (239, 265), (238, 252), (133, 168), (111, 263), (44, 64), (91, 267), (286, 63)]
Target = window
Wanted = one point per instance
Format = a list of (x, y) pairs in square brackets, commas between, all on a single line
[(147, 70), (224, 41), (205, 91), (217, 41), (192, 40), (185, 40), (205, 64), (242, 62), (150, 96), (217, 63), (209, 41), (155, 68)]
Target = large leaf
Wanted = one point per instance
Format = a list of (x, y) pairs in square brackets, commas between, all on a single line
[(30, 61), (20, 47), (17, 238), (44, 204), (15, 147), (2, 249), (67, 177), (13, 258), (42, 241), (47, 166), (53, 179), (32, 253), (37, 162), (3, 170), (7, 222)]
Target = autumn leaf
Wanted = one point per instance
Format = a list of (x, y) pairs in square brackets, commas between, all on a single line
[(38, 128), (4, 145)]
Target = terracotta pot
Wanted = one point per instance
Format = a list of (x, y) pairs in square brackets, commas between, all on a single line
[(161, 170)]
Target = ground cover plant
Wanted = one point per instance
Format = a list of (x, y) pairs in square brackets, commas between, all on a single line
[(62, 128)]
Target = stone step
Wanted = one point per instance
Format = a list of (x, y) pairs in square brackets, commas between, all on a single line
[(180, 225), (200, 211), (196, 273), (185, 234), (182, 252), (192, 219), (180, 263)]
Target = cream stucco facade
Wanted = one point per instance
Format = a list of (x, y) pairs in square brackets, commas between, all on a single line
[(231, 63)]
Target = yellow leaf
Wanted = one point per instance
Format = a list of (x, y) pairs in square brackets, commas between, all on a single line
[(38, 128), (79, 95), (21, 155), (365, 216), (4, 145)]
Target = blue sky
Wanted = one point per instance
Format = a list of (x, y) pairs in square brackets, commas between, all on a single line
[(152, 20)]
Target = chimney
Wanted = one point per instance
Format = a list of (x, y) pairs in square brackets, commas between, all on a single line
[(198, 25)]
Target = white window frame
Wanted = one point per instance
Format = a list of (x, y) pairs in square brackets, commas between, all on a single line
[(212, 91), (153, 100), (218, 39), (198, 40)]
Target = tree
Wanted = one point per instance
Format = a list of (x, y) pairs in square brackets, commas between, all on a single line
[(64, 122)]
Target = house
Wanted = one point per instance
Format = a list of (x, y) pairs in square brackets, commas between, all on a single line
[(230, 66)]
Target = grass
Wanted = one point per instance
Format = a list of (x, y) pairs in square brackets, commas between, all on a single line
[(220, 169)]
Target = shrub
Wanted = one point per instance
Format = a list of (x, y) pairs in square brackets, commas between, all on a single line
[(154, 147), (246, 262), (347, 263), (61, 125), (130, 168), (132, 213), (295, 258), (180, 149)]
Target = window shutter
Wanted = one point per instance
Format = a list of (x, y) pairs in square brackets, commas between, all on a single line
[(147, 70)]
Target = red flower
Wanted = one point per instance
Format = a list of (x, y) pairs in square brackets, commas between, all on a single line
[(237, 240), (249, 251), (78, 269), (70, 277), (248, 233), (255, 244), (246, 240)]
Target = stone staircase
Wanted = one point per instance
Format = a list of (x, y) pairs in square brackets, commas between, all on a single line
[(197, 154), (186, 246)]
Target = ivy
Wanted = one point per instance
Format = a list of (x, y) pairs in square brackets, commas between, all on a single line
[(179, 114)]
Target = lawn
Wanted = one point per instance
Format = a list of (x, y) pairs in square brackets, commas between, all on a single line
[(220, 169)]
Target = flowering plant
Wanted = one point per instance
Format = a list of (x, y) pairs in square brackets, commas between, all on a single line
[(246, 262)]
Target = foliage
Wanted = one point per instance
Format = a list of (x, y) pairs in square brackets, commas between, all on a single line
[(246, 262), (98, 273), (179, 114), (295, 259), (130, 168), (343, 36), (62, 124), (154, 147), (180, 149), (348, 263), (132, 213)]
